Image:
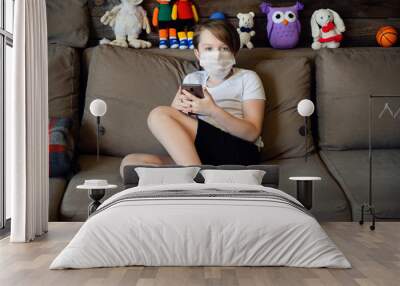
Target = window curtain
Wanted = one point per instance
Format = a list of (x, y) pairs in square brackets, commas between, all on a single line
[(26, 124)]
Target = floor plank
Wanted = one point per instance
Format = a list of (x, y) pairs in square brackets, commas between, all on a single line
[(375, 257)]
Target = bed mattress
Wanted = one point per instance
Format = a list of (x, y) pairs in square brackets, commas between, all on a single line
[(198, 224)]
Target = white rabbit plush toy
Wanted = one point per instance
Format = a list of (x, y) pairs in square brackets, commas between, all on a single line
[(245, 30), (127, 20), (326, 28)]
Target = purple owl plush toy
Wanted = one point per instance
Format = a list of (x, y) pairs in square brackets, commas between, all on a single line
[(283, 25)]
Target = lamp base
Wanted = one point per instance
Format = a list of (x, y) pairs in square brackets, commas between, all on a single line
[(366, 207), (302, 130), (102, 130)]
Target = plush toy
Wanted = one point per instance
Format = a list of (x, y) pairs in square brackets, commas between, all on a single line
[(245, 30), (162, 18), (185, 14), (326, 28), (283, 25), (127, 20)]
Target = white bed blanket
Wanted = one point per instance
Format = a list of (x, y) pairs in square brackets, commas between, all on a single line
[(265, 230)]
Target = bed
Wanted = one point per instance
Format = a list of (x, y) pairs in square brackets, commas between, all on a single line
[(201, 224)]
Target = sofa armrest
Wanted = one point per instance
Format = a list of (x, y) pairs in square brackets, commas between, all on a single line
[(57, 187)]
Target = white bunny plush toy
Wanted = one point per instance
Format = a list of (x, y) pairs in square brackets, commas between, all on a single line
[(245, 30), (326, 28), (127, 20)]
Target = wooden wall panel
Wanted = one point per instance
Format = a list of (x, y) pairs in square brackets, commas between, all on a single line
[(362, 17)]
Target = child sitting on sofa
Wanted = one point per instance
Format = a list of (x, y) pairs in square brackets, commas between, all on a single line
[(224, 127)]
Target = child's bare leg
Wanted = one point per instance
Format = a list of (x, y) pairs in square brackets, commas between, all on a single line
[(145, 159), (176, 132)]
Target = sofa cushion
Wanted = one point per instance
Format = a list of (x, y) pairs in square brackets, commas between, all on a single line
[(345, 78), (56, 192), (286, 82), (63, 83), (68, 22), (351, 170), (132, 83), (329, 200), (74, 205), (329, 203)]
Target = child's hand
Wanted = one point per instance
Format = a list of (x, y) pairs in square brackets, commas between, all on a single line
[(178, 102), (204, 106)]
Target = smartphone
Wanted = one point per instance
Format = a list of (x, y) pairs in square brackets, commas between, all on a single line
[(195, 89)]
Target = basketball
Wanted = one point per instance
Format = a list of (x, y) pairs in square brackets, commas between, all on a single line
[(386, 36)]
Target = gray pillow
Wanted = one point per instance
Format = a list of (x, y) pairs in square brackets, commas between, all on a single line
[(68, 22), (248, 177), (345, 79), (161, 176), (270, 179), (286, 82)]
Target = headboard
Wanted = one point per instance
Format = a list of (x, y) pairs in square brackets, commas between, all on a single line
[(270, 179)]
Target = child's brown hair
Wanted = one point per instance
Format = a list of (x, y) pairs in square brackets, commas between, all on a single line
[(222, 30)]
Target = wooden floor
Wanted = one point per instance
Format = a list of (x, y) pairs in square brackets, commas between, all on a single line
[(375, 257)]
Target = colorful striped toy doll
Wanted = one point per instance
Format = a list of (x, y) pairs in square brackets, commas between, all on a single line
[(185, 14)]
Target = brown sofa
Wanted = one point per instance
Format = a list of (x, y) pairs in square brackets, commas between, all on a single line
[(132, 82)]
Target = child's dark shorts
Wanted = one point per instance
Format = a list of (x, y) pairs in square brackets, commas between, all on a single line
[(217, 147)]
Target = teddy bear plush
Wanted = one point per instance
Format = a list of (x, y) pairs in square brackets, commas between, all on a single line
[(127, 19), (245, 30), (326, 28)]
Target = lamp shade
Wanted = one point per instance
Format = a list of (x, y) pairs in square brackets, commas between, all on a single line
[(305, 107), (98, 107)]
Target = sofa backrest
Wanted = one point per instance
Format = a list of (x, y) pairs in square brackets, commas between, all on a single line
[(345, 78), (133, 82), (286, 82), (64, 83), (125, 79), (68, 22)]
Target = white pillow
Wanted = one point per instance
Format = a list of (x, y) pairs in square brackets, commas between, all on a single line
[(249, 177), (162, 176)]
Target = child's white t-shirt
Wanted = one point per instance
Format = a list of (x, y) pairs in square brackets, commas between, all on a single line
[(242, 85)]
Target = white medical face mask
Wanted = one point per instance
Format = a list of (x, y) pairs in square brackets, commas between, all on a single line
[(217, 64)]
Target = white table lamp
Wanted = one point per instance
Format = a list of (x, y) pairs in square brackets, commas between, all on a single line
[(305, 108), (98, 108)]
